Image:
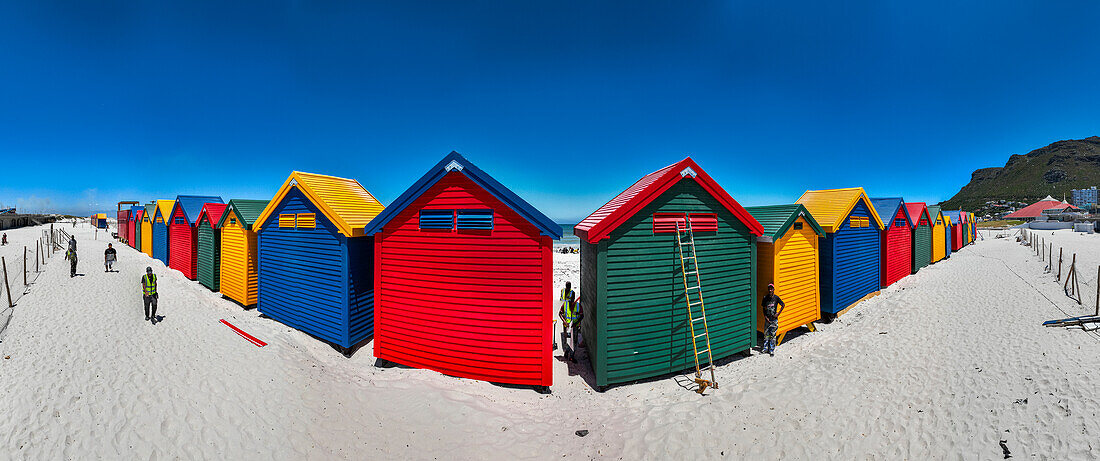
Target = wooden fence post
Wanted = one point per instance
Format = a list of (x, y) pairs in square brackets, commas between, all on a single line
[(24, 265), (1059, 264), (1097, 290), (6, 286), (36, 256)]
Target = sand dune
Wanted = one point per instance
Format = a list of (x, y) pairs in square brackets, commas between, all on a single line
[(945, 364)]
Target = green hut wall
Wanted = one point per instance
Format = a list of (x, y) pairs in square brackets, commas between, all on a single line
[(636, 320), (922, 247), (209, 258)]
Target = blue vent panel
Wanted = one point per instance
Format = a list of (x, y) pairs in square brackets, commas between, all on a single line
[(475, 219), (436, 219)]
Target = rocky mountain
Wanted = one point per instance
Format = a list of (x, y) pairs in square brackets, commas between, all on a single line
[(1052, 170)]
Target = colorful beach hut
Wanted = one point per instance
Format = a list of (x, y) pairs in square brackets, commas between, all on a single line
[(131, 225), (147, 229), (939, 233), (207, 245), (316, 269), (922, 234), (183, 233), (238, 250), (636, 321), (121, 223), (850, 260), (139, 216), (160, 230), (100, 220), (896, 240), (958, 223), (454, 239), (788, 256), (947, 234)]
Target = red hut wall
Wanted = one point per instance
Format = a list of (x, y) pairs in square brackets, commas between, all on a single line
[(469, 303), (897, 250), (956, 236), (181, 244), (130, 229)]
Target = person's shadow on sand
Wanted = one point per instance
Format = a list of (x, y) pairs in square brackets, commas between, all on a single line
[(157, 319)]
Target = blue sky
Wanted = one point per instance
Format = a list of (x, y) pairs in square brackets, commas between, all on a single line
[(567, 103)]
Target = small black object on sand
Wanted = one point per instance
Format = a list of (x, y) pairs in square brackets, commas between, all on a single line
[(582, 433)]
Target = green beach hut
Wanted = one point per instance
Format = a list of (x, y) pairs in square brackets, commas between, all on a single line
[(632, 285), (207, 246)]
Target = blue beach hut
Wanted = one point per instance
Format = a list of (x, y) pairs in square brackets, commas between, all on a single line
[(316, 265)]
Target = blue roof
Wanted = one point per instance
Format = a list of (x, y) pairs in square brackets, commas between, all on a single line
[(192, 205), (954, 215), (456, 162), (135, 209), (887, 208)]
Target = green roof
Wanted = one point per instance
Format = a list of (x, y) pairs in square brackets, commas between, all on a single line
[(245, 210), (776, 219)]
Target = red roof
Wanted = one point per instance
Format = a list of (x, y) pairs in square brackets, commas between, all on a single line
[(598, 225), (214, 211), (1036, 209), (916, 209)]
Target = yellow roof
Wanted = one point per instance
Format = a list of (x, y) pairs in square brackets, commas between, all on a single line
[(101, 216), (830, 207), (343, 201), (164, 208)]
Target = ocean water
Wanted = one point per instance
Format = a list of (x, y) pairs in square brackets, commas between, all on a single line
[(567, 237)]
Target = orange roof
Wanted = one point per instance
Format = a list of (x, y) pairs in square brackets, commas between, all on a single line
[(831, 207), (343, 201)]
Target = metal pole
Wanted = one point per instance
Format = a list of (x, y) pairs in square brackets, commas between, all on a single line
[(6, 286)]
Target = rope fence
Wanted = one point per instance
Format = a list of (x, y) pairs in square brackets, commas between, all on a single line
[(19, 273), (1070, 276)]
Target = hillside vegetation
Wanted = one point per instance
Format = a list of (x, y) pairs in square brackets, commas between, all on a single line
[(1052, 170)]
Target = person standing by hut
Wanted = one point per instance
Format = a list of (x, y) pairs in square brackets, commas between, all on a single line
[(109, 257), (570, 315), (70, 254), (773, 306), (149, 294)]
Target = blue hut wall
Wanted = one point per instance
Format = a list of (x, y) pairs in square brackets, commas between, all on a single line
[(160, 241), (850, 261), (304, 279)]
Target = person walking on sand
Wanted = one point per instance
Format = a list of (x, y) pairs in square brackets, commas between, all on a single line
[(109, 257), (70, 254), (771, 318), (149, 294), (5, 240), (570, 315)]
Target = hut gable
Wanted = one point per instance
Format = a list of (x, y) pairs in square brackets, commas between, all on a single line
[(246, 212), (212, 213), (189, 206), (164, 210), (455, 164), (345, 202), (891, 210), (918, 211), (777, 219), (832, 207), (598, 225)]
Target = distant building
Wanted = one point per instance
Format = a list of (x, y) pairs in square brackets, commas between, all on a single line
[(1085, 198), (1035, 210)]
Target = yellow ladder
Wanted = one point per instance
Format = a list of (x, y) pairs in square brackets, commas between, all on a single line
[(685, 238)]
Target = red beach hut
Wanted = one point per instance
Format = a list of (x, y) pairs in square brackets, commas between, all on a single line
[(464, 278), (896, 239), (182, 232)]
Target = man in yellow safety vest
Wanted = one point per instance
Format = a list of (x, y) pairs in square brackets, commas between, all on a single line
[(570, 315), (149, 294)]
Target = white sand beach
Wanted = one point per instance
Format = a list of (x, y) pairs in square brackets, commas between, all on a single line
[(945, 364)]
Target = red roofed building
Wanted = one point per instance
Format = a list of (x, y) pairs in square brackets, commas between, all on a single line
[(1030, 212)]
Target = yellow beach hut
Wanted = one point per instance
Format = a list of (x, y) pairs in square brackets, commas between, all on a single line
[(939, 233), (238, 250), (787, 256)]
